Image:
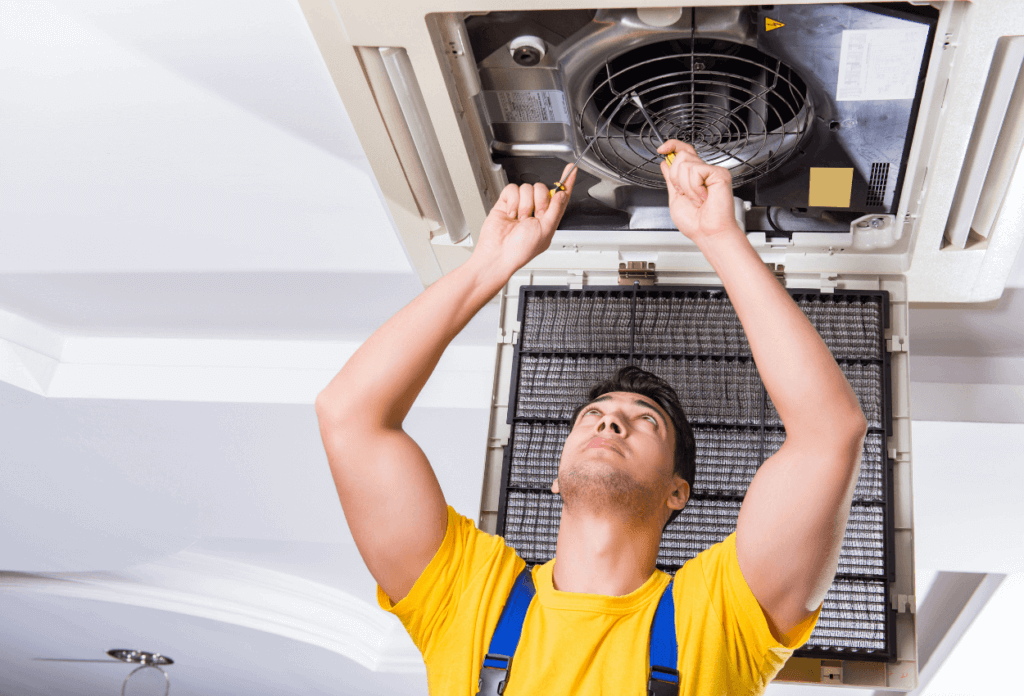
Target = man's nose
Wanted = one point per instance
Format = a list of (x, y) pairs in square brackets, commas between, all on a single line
[(611, 423)]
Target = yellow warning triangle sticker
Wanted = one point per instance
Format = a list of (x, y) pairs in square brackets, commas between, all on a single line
[(770, 24)]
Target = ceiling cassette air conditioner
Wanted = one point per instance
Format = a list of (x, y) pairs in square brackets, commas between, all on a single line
[(863, 138)]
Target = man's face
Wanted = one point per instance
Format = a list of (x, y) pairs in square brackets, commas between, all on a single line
[(620, 452)]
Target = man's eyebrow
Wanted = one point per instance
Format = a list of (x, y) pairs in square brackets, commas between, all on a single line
[(650, 405), (638, 402)]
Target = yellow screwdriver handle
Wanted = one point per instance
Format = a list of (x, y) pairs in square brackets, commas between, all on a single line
[(670, 157)]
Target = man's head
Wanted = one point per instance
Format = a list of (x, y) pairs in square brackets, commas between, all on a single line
[(630, 446)]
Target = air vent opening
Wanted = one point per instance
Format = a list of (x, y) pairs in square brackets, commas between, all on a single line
[(877, 183), (740, 109)]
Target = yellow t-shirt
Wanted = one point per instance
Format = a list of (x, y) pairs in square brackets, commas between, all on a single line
[(574, 643)]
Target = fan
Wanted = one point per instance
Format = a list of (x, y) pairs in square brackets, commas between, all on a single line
[(739, 108), (146, 680)]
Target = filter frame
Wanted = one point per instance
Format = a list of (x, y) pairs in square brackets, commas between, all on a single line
[(879, 432)]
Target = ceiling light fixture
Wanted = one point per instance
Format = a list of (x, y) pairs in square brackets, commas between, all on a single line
[(148, 679)]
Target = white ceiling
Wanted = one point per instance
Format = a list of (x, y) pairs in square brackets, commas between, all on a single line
[(182, 137), (192, 244)]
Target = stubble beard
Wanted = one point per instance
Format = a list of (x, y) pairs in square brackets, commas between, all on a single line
[(587, 490)]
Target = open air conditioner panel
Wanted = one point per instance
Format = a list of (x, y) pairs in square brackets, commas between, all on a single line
[(808, 127)]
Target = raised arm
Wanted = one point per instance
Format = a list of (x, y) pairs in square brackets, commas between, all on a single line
[(791, 525), (392, 501)]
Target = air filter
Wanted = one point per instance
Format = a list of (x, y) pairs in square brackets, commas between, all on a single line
[(571, 339)]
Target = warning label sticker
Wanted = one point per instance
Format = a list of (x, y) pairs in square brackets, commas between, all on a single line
[(526, 106), (770, 24), (880, 63)]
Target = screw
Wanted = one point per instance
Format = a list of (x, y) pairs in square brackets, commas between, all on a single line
[(526, 55)]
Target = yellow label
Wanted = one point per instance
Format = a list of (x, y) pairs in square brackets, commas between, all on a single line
[(830, 187), (770, 24)]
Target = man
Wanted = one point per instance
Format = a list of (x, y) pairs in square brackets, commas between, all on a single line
[(741, 607)]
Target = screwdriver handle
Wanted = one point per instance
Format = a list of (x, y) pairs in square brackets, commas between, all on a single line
[(670, 158)]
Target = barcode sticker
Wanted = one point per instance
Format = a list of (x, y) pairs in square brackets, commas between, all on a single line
[(879, 64), (526, 106)]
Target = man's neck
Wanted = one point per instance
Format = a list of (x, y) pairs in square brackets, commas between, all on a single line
[(601, 554)]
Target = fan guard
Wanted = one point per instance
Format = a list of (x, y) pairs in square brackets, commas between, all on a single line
[(738, 107)]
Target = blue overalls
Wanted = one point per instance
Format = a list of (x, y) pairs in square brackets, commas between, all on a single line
[(662, 680)]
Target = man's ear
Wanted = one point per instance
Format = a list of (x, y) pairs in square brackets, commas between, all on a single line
[(680, 494), (554, 487)]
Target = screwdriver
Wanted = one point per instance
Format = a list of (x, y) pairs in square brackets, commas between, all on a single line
[(661, 141), (560, 186)]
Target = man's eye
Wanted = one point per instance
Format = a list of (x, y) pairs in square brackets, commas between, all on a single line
[(653, 419)]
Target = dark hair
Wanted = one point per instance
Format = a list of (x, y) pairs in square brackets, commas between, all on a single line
[(637, 381)]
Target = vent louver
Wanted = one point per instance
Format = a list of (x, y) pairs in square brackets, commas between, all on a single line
[(876, 185), (691, 337)]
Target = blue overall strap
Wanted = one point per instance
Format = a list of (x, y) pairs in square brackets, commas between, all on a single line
[(663, 679), (498, 661)]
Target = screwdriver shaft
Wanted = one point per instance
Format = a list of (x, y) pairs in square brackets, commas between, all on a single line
[(661, 141)]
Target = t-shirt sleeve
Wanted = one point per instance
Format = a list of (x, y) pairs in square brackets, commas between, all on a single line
[(438, 595), (746, 635)]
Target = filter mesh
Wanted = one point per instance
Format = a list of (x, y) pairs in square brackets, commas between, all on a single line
[(573, 339), (852, 618), (849, 325), (712, 390), (552, 386), (584, 321), (689, 324), (536, 449), (532, 519), (715, 390), (686, 322), (531, 524), (727, 458)]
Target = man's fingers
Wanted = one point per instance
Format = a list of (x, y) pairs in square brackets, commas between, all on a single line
[(508, 202), (571, 181), (525, 202), (666, 172), (697, 175), (541, 199)]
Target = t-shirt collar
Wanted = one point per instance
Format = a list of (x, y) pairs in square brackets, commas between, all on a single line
[(551, 598)]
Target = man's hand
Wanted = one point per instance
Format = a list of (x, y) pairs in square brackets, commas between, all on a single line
[(700, 196), (520, 226)]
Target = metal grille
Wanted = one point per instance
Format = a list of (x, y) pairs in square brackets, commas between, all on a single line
[(686, 323), (876, 185), (738, 107), (691, 337)]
